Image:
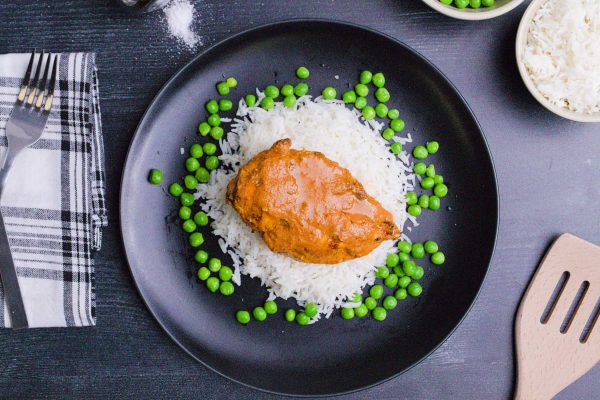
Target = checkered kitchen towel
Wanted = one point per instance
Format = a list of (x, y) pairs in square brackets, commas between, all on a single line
[(53, 204)]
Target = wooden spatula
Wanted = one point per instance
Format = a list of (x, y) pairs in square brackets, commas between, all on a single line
[(557, 332)]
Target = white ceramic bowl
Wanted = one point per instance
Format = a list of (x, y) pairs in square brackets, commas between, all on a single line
[(470, 14), (520, 48)]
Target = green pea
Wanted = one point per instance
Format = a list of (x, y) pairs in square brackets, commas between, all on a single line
[(398, 270), (388, 134), (391, 281), (423, 201), (259, 313), (201, 256), (361, 311), (420, 152), (368, 113), (381, 110), (302, 319), (185, 213), (487, 3), (222, 88), (438, 179), (225, 273), (270, 307), (382, 272), (214, 120), (226, 288), (225, 105), (411, 198), (347, 313), (432, 147), (393, 113), (202, 175), (290, 314), (392, 260), (231, 82), (390, 302), (409, 267), (302, 72), (376, 291), (461, 3), (175, 189), (203, 128), (243, 317), (212, 106), (289, 101), (378, 79), (211, 163), (357, 298), (287, 90), (196, 239), (415, 289), (189, 226), (440, 190), (427, 183), (365, 77), (400, 294), (397, 125), (212, 284), (301, 89), (203, 273), (201, 218), (414, 210), (196, 150), (370, 303), (402, 257), (190, 182), (329, 93), (186, 199), (349, 97), (434, 202), (418, 274), (155, 176), (430, 171), (209, 148), (311, 310), (214, 264), (267, 103), (360, 103), (418, 251), (404, 246), (396, 147), (430, 246), (361, 90), (272, 91), (192, 164), (447, 2), (404, 281), (382, 95), (420, 168), (379, 313), (250, 100), (438, 258)]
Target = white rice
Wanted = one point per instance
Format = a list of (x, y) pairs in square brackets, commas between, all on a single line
[(336, 131)]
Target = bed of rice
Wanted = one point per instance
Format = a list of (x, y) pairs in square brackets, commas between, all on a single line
[(339, 133)]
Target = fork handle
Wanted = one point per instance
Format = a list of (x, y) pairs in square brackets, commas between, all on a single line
[(8, 272)]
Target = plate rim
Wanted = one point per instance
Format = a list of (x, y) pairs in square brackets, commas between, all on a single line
[(294, 21)]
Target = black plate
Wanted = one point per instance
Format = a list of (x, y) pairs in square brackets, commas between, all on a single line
[(335, 355)]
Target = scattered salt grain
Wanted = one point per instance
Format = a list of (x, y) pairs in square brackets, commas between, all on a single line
[(180, 17)]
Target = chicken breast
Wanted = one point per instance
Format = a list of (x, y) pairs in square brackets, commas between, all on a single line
[(309, 207)]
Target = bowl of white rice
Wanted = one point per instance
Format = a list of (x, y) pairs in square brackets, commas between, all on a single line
[(558, 55)]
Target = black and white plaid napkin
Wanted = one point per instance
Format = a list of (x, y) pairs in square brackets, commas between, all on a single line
[(53, 204)]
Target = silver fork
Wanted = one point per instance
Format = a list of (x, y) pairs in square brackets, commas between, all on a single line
[(23, 128)]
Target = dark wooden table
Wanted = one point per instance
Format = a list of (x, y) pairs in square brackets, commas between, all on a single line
[(547, 169)]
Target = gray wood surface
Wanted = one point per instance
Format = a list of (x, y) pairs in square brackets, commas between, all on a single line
[(547, 173)]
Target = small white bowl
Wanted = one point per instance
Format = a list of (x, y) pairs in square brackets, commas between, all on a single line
[(520, 48), (471, 14)]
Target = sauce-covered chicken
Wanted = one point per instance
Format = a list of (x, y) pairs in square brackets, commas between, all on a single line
[(309, 207)]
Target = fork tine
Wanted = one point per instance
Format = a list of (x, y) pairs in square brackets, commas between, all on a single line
[(50, 97), (43, 82), (34, 89), (25, 84)]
